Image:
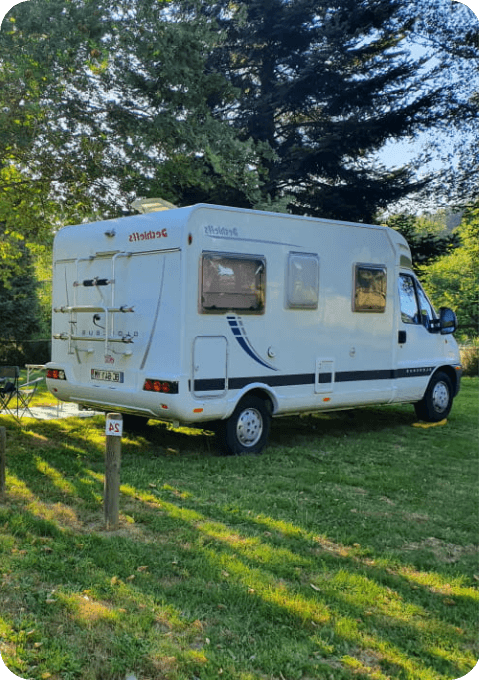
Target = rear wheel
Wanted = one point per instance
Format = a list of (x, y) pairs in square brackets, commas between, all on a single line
[(247, 429), (438, 399)]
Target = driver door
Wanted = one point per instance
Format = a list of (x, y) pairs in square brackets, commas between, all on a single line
[(418, 348)]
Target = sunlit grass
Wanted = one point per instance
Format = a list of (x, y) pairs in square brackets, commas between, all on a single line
[(347, 550), (58, 479)]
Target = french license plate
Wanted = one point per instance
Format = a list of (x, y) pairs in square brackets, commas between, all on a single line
[(107, 376)]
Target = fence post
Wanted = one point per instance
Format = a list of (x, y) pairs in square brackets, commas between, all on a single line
[(3, 455), (113, 446)]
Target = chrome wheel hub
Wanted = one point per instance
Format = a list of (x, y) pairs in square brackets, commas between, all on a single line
[(440, 397), (249, 427)]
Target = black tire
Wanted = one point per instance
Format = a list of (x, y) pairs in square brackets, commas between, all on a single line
[(438, 399), (247, 429)]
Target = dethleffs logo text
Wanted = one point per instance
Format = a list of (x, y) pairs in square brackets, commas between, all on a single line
[(147, 235), (221, 232)]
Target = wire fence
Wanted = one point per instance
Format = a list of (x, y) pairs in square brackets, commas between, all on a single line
[(37, 349), (25, 352)]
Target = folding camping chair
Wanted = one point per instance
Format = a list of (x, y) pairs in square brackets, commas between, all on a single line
[(8, 386), (14, 398)]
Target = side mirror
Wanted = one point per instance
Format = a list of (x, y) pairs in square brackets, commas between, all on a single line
[(447, 321)]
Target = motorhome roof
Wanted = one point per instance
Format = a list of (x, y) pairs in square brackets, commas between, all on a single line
[(164, 229)]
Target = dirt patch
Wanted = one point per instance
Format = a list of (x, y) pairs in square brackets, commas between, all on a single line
[(444, 552)]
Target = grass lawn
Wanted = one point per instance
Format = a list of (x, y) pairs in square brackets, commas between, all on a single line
[(348, 549)]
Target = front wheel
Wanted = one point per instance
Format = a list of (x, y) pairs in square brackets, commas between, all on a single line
[(247, 429), (438, 399)]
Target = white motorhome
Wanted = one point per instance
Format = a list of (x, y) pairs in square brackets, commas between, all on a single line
[(214, 315)]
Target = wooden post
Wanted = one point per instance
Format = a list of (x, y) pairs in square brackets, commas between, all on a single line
[(113, 446), (3, 452)]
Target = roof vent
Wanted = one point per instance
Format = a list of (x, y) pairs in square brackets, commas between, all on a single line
[(147, 205)]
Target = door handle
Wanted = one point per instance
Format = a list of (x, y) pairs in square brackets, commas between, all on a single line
[(402, 337)]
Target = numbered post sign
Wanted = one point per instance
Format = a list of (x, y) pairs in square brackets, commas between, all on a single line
[(113, 427)]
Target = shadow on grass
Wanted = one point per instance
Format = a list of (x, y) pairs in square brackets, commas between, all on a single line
[(194, 562), (328, 611), (285, 431)]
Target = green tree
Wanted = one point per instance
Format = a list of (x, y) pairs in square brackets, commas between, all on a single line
[(453, 279), (100, 103), (19, 312), (48, 173), (448, 32), (426, 244), (180, 150), (325, 84), (263, 104), (123, 89)]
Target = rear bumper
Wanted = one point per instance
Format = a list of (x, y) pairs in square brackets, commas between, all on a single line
[(182, 407)]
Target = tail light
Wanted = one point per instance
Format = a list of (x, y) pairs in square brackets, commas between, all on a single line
[(161, 386), (56, 374)]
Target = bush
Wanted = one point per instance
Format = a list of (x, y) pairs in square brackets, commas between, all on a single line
[(470, 358), (27, 352)]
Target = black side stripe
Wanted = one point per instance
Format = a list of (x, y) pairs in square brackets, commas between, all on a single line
[(274, 380), (218, 384), (209, 385), (354, 376)]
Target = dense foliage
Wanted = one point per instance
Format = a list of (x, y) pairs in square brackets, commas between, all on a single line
[(326, 85), (19, 309), (275, 105), (453, 279)]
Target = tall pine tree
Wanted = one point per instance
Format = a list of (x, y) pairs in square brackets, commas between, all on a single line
[(326, 83)]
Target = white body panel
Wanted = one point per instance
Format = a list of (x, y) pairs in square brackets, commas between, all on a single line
[(126, 295)]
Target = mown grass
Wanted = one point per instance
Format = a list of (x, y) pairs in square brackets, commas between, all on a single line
[(348, 549)]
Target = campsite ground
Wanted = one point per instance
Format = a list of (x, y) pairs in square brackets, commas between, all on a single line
[(349, 548)]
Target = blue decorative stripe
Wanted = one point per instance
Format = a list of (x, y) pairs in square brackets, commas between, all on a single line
[(251, 353), (238, 330)]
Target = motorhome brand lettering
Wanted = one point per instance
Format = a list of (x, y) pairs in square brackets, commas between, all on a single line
[(210, 230), (147, 235), (99, 334)]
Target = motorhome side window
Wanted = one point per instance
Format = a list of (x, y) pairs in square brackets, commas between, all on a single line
[(302, 281), (415, 306), (232, 283), (370, 286)]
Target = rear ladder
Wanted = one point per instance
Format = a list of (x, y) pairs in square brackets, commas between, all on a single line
[(109, 311)]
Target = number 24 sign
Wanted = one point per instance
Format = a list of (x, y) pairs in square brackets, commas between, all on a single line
[(113, 427)]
